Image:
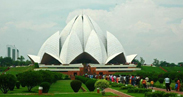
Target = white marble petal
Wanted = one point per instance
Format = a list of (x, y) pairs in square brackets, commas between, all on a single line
[(71, 48), (130, 58)]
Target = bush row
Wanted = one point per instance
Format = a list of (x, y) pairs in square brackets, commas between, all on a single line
[(160, 94), (76, 85), (116, 84), (126, 87), (138, 90), (90, 84), (82, 79)]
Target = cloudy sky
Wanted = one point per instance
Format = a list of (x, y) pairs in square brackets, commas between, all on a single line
[(150, 28)]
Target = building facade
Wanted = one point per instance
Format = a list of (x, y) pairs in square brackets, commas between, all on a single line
[(12, 52), (83, 42)]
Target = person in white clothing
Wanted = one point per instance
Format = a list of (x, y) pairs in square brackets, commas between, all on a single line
[(167, 82)]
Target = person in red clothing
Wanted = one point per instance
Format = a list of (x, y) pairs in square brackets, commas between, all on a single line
[(178, 88), (144, 83)]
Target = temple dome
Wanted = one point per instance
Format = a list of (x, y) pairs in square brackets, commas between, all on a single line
[(82, 41)]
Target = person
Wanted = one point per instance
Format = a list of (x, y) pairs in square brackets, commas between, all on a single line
[(121, 78), (124, 79), (127, 79), (147, 81), (114, 78), (178, 82), (144, 83), (167, 82), (176, 86), (152, 84)]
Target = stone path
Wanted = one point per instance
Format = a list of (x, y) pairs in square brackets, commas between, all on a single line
[(120, 94), (172, 91)]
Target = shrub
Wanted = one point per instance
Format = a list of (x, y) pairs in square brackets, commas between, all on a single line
[(12, 83), (90, 84), (76, 85), (138, 90), (67, 77), (36, 65), (46, 86), (159, 94), (161, 80), (82, 79), (47, 76), (18, 85), (6, 80), (126, 87), (102, 84), (30, 79), (116, 84)]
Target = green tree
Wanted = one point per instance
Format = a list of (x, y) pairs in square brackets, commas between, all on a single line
[(7, 61), (102, 84), (36, 65), (30, 79), (180, 64), (6, 82), (1, 61), (27, 62), (139, 65), (47, 76), (135, 61), (156, 62), (21, 58), (142, 61)]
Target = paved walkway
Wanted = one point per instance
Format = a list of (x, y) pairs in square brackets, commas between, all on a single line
[(120, 94), (172, 91)]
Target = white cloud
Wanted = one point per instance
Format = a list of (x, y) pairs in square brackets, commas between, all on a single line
[(141, 26), (3, 29), (150, 28)]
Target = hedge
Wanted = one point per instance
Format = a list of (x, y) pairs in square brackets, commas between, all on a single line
[(46, 86), (76, 85), (126, 87), (160, 94), (138, 90), (82, 79), (90, 84), (116, 84)]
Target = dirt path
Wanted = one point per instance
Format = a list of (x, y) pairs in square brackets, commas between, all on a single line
[(172, 91), (120, 94)]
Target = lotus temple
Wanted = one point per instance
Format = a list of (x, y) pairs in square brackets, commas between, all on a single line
[(82, 47)]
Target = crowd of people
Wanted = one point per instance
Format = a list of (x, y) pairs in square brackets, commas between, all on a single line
[(135, 80)]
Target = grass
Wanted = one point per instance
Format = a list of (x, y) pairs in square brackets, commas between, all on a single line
[(62, 95), (173, 69), (151, 69), (61, 88), (2, 69), (17, 70)]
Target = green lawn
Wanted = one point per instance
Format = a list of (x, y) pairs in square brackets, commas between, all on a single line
[(2, 69), (17, 70), (61, 88), (62, 95), (151, 69), (173, 69)]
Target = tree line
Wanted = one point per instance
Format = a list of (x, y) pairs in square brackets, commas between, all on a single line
[(7, 61), (156, 62)]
